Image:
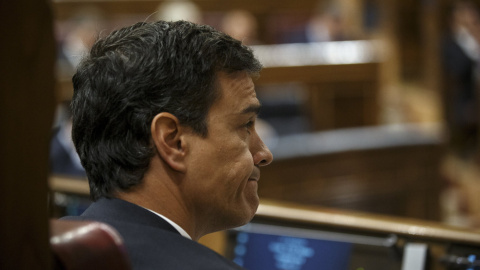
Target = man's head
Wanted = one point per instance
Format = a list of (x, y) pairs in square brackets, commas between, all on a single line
[(221, 171), (136, 73)]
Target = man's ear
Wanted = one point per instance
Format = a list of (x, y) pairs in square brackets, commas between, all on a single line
[(167, 135)]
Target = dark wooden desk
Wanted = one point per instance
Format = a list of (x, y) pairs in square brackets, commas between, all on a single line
[(387, 170)]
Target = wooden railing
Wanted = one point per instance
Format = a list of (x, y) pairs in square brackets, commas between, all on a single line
[(445, 247)]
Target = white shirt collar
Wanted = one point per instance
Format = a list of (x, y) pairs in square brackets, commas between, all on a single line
[(468, 44), (175, 225)]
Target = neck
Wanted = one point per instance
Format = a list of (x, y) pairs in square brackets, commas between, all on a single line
[(160, 191)]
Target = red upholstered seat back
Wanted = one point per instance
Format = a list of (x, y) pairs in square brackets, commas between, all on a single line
[(87, 245)]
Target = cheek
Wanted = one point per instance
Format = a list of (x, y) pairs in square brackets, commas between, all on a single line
[(235, 165), (239, 173), (239, 170), (238, 157), (228, 166)]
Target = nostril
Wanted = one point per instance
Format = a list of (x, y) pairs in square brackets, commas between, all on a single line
[(264, 162)]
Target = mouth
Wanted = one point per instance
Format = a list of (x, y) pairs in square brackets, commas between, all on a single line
[(255, 176)]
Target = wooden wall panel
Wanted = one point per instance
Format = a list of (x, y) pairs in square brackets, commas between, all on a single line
[(339, 96), (27, 57)]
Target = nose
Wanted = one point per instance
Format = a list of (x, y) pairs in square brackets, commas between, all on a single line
[(260, 152)]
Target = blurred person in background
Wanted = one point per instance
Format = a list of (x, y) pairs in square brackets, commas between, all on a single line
[(175, 10), (326, 24), (75, 37), (460, 55), (460, 64), (64, 159), (241, 25)]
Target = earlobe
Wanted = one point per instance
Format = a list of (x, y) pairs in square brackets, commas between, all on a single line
[(167, 136)]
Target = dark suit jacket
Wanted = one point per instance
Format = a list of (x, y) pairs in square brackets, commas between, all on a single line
[(60, 160), (151, 242), (460, 98)]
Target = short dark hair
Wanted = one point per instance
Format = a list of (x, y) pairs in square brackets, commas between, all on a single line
[(132, 75)]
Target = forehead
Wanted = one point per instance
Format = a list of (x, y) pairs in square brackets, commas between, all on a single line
[(236, 91)]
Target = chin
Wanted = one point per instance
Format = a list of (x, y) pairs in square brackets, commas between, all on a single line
[(250, 213), (243, 217)]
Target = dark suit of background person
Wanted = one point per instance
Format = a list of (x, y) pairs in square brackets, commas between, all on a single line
[(164, 124), (64, 159), (460, 54)]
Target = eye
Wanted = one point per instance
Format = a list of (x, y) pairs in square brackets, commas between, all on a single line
[(249, 125)]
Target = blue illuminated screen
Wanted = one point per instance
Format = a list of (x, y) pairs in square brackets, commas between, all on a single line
[(256, 251)]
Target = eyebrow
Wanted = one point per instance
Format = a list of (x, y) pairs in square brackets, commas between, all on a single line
[(254, 108)]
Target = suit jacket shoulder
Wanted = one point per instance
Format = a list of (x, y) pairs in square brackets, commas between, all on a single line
[(151, 242)]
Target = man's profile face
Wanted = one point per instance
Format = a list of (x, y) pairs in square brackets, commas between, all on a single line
[(223, 168)]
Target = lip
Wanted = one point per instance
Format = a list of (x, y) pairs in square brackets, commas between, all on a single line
[(255, 176)]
